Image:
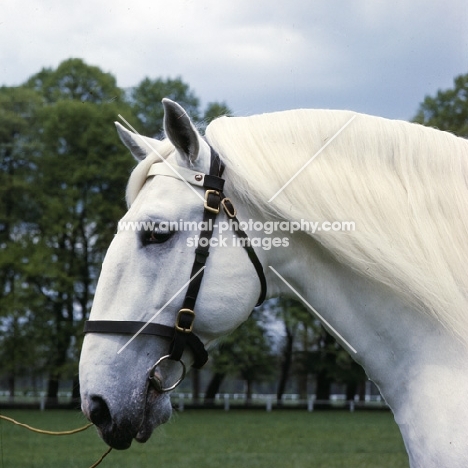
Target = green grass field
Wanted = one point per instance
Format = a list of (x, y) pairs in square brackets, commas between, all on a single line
[(215, 439)]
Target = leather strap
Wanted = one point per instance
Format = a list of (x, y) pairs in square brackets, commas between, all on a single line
[(155, 329), (214, 185), (255, 261)]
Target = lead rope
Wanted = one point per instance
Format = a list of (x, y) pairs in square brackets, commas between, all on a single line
[(57, 433), (104, 455)]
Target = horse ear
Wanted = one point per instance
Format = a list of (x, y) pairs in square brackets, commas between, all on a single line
[(139, 145), (180, 130)]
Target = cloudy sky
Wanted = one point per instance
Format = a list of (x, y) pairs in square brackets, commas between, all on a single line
[(373, 56)]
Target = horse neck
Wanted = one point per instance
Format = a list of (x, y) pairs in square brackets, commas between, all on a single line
[(420, 369)]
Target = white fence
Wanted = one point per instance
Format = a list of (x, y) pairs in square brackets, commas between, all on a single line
[(269, 401)]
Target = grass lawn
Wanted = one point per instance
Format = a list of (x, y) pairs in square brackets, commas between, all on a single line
[(215, 439)]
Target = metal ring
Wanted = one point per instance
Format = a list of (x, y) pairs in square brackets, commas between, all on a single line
[(157, 383)]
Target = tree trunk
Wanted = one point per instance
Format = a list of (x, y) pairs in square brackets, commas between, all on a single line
[(285, 367), (362, 391), (351, 390), (213, 388), (63, 328), (302, 385), (323, 388), (52, 389), (11, 386), (196, 386), (76, 390), (248, 393)]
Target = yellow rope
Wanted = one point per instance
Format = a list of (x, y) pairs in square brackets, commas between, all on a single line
[(41, 431), (57, 433), (102, 458)]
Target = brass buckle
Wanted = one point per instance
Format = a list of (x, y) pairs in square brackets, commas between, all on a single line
[(208, 207), (181, 329), (231, 214)]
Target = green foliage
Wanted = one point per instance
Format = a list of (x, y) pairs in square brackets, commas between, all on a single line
[(18, 341), (329, 362), (76, 81), (81, 172), (146, 100), (215, 110), (448, 110), (18, 106), (245, 353), (63, 172), (308, 349)]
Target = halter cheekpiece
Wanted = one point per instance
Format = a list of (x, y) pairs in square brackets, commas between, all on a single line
[(181, 335)]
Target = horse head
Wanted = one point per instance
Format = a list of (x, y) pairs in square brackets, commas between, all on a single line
[(146, 272)]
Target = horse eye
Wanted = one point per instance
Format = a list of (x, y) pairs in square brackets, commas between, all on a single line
[(157, 235)]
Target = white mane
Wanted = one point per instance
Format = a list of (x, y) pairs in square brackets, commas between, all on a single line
[(404, 186)]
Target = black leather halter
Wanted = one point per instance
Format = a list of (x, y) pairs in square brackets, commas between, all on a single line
[(181, 335)]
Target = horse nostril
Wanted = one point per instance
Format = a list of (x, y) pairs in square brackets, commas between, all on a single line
[(99, 413)]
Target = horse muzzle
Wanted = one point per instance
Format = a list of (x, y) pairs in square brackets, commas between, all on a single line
[(117, 428)]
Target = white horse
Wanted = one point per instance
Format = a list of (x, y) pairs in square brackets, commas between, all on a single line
[(393, 291)]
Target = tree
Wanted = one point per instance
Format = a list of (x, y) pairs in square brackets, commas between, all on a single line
[(80, 174), (246, 353), (146, 101), (330, 363), (448, 110), (308, 349), (214, 110), (74, 80), (18, 343), (63, 173), (293, 315)]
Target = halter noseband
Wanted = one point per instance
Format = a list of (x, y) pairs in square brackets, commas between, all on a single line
[(181, 335)]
